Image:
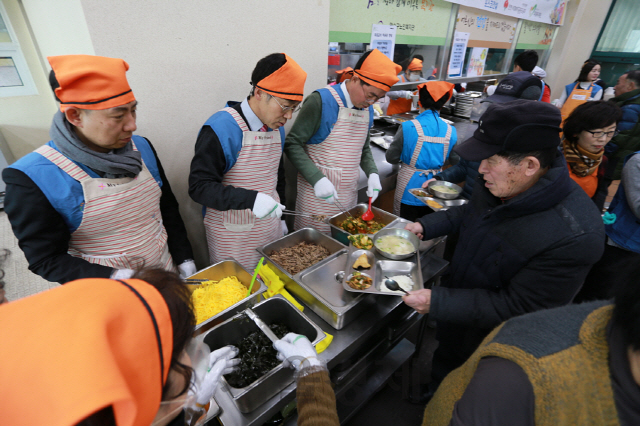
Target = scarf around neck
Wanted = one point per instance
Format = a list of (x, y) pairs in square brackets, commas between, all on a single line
[(582, 162), (117, 163)]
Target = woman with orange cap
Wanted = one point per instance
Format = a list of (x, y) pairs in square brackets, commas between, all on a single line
[(329, 141), (343, 74), (107, 352), (422, 146), (94, 201), (237, 171), (400, 100)]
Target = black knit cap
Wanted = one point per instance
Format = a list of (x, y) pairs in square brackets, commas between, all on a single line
[(516, 126)]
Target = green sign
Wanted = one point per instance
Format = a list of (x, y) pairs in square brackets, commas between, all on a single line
[(535, 35), (422, 22)]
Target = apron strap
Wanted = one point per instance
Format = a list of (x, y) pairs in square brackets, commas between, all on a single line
[(68, 166), (337, 97), (431, 139), (241, 123)]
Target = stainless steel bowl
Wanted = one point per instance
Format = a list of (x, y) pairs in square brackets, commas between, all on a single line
[(444, 195), (408, 235)]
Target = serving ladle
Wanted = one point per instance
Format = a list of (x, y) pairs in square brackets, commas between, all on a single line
[(393, 285)]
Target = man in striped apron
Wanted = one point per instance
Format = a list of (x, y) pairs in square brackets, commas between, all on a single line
[(237, 172), (330, 140), (94, 201)]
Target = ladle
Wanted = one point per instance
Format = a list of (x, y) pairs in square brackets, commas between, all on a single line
[(393, 285), (368, 215)]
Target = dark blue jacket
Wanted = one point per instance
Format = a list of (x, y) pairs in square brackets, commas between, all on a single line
[(528, 253)]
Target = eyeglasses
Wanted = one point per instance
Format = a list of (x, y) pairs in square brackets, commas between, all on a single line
[(598, 135), (286, 109), (370, 98)]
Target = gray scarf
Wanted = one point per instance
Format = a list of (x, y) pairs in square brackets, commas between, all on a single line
[(117, 163)]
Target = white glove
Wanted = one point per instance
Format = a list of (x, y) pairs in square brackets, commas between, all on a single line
[(374, 187), (122, 274), (222, 361), (187, 268), (324, 189), (296, 351), (265, 206), (283, 225), (407, 94)]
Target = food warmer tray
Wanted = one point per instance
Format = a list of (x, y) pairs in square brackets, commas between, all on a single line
[(341, 235), (446, 204), (319, 287)]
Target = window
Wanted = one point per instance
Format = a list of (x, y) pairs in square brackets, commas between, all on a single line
[(15, 79)]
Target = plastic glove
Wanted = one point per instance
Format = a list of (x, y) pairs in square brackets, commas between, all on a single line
[(222, 361), (324, 189), (407, 94), (283, 225), (296, 351), (265, 206), (374, 188), (122, 274), (187, 268)]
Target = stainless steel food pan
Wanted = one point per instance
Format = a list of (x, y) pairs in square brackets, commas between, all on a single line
[(232, 331), (341, 235)]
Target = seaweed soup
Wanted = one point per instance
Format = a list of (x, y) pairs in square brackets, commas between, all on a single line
[(257, 357)]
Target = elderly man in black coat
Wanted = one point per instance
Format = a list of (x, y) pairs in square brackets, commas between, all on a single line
[(527, 238)]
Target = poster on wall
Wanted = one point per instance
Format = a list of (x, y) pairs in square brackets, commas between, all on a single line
[(486, 29), (476, 61), (383, 38), (545, 11), (535, 35), (458, 50)]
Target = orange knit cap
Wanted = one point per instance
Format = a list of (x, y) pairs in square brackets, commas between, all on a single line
[(379, 71), (415, 65), (287, 82), (344, 74), (73, 350), (437, 89), (91, 82)]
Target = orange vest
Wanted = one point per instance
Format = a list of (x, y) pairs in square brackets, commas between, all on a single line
[(589, 183), (399, 106)]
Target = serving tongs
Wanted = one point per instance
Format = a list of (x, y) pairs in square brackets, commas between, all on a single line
[(316, 217), (342, 208), (261, 325)]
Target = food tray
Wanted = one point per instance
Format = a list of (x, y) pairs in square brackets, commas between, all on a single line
[(446, 204), (232, 331), (381, 266), (218, 271), (378, 215), (319, 287), (383, 142)]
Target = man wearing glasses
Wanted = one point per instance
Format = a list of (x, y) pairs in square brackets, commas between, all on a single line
[(330, 140), (237, 172)]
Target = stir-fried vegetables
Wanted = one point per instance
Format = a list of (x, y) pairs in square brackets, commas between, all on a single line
[(359, 281), (361, 241), (355, 225)]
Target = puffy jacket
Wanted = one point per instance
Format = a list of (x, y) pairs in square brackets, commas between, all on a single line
[(628, 141)]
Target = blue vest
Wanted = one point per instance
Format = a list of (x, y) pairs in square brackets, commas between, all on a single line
[(330, 111), (230, 136), (569, 88), (625, 231), (432, 154), (65, 193)]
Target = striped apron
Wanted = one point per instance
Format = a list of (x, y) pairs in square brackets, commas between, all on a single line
[(408, 170), (237, 233), (338, 158), (121, 222)]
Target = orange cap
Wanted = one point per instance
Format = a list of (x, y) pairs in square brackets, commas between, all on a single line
[(437, 89), (415, 65), (344, 74), (379, 71), (83, 346), (286, 82), (91, 82)]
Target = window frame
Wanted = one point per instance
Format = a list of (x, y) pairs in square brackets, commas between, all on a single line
[(12, 50)]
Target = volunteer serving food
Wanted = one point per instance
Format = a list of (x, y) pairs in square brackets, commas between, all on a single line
[(237, 172), (400, 100), (94, 201), (330, 140)]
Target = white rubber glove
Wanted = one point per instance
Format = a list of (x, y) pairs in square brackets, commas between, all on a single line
[(283, 225), (265, 206), (187, 268), (222, 361), (374, 187), (296, 351), (407, 94), (324, 189), (122, 274)]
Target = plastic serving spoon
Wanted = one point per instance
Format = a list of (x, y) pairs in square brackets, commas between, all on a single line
[(368, 215), (393, 285)]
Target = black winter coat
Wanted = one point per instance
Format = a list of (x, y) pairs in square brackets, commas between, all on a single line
[(527, 253)]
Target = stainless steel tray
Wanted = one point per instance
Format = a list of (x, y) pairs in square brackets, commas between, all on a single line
[(319, 287), (381, 266), (232, 331), (341, 235), (218, 271), (446, 204)]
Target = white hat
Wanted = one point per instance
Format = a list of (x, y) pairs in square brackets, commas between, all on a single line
[(539, 72)]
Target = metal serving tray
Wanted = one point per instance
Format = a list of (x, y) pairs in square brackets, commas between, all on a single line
[(233, 330), (319, 287), (381, 266), (446, 204), (341, 235), (221, 270)]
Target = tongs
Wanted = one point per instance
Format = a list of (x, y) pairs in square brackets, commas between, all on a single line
[(261, 325), (316, 217), (342, 208)]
